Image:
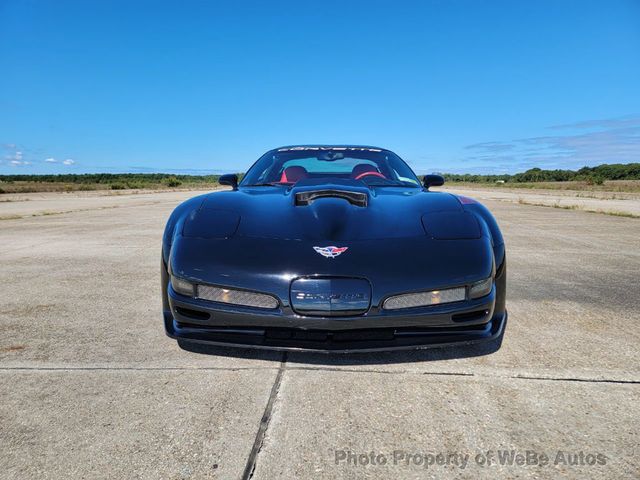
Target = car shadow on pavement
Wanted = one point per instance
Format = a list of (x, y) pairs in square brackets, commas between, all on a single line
[(341, 359)]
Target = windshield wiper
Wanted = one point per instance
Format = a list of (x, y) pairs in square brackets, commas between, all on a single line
[(389, 185), (266, 184)]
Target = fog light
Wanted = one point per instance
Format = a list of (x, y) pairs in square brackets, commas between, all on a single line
[(236, 297), (182, 286), (481, 288), (424, 299)]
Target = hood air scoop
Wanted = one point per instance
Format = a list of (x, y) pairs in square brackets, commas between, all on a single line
[(359, 199)]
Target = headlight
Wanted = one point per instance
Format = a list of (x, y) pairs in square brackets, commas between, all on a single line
[(481, 288), (424, 299), (182, 286), (436, 297), (236, 297), (223, 295)]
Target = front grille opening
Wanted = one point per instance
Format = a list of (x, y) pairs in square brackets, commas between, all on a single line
[(365, 335), (325, 336), (469, 316), (195, 314), (293, 334)]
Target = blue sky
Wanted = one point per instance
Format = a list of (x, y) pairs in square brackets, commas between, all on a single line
[(185, 86)]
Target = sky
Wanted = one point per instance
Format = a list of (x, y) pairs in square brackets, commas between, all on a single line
[(208, 86)]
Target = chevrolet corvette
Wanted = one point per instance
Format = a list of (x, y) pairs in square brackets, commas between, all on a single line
[(333, 248)]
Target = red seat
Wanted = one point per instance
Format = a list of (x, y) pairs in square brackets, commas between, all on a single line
[(293, 174)]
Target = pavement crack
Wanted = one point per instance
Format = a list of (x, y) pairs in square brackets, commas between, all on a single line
[(574, 379), (264, 422), (466, 374)]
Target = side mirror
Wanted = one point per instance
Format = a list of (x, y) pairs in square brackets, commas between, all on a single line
[(433, 181), (230, 179)]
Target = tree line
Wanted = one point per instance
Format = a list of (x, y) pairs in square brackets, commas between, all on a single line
[(109, 178), (615, 171)]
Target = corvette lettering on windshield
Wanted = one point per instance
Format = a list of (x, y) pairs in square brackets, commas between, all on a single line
[(352, 149)]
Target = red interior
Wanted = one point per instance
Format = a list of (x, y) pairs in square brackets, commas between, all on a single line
[(293, 174)]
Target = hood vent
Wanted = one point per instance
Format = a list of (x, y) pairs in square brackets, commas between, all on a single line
[(359, 199)]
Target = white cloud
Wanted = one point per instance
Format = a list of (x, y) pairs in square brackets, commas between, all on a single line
[(620, 122), (50, 160), (605, 141), (69, 161), (15, 158)]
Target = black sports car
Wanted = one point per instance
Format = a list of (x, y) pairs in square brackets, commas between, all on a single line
[(333, 248)]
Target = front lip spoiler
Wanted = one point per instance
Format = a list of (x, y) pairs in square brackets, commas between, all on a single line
[(491, 331)]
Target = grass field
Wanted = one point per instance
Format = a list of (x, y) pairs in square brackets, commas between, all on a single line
[(35, 187)]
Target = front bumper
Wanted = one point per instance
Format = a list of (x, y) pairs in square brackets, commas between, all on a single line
[(281, 329)]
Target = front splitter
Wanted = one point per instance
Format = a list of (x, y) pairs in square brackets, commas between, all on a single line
[(403, 339)]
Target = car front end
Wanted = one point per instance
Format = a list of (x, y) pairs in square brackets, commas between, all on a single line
[(333, 249), (255, 297)]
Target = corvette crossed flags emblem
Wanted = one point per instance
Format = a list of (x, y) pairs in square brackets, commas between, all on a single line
[(330, 252)]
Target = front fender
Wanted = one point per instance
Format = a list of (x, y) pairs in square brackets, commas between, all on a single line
[(175, 220)]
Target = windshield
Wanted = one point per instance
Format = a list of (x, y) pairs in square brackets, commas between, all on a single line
[(371, 166)]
